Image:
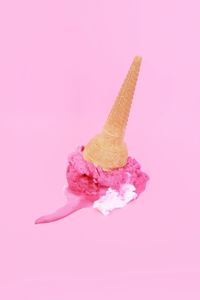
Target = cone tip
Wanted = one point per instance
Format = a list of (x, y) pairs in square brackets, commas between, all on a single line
[(138, 59)]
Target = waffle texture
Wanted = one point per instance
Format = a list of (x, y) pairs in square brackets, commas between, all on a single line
[(108, 149)]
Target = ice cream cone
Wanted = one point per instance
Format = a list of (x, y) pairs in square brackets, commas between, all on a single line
[(108, 149)]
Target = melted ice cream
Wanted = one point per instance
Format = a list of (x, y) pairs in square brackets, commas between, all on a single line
[(115, 199)]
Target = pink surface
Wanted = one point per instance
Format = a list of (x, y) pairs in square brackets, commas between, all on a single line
[(61, 66)]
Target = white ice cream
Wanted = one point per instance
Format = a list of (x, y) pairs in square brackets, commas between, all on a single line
[(114, 199)]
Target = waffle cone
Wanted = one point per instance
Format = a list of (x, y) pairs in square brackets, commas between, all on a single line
[(108, 149)]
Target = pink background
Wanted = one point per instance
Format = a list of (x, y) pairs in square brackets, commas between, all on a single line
[(61, 66)]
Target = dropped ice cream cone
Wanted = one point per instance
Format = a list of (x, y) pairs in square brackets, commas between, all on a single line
[(98, 172)]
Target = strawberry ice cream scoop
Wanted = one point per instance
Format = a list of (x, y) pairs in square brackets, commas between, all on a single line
[(84, 177)]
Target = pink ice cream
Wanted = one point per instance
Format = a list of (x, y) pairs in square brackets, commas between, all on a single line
[(87, 183), (84, 177)]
